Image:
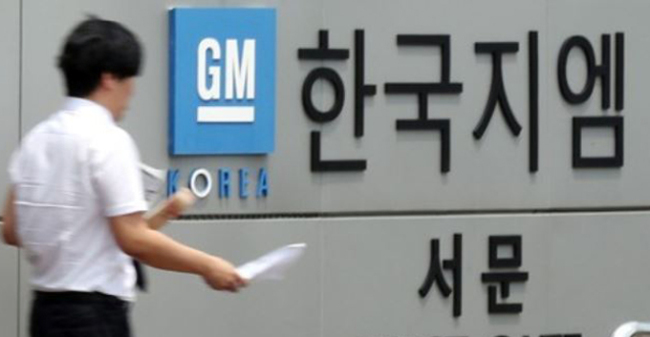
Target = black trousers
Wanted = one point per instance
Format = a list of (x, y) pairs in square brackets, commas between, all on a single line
[(78, 314)]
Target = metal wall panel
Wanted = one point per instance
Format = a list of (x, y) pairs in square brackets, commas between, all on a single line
[(9, 128), (180, 304), (586, 274), (403, 173), (360, 277)]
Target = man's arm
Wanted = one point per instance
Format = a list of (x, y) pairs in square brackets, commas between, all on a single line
[(9, 220), (136, 239)]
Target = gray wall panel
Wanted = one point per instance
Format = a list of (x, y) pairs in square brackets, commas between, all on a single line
[(9, 89), (360, 277), (178, 304), (24, 296), (612, 186), (146, 120), (8, 290), (9, 97), (289, 178), (586, 275), (403, 167)]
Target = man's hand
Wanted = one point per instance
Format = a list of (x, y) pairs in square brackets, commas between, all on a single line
[(179, 202), (170, 208), (221, 275)]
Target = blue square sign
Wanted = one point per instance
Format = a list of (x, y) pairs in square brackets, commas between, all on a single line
[(222, 81)]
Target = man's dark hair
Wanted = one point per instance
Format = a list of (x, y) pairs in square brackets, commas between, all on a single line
[(94, 47)]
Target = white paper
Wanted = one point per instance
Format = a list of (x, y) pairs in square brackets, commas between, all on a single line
[(273, 265), (153, 181)]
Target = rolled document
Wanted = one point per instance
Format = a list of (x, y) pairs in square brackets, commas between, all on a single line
[(154, 190), (153, 181), (273, 265)]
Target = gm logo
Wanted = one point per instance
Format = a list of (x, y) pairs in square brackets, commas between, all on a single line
[(222, 81)]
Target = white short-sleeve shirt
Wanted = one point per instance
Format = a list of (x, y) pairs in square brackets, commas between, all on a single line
[(72, 172)]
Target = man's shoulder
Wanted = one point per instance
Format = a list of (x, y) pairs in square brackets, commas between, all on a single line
[(114, 132), (37, 131), (113, 137)]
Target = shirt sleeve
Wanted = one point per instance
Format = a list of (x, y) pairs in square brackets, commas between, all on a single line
[(116, 175)]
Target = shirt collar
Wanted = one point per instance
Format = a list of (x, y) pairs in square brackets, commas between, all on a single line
[(89, 107)]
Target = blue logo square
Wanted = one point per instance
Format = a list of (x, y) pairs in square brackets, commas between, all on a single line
[(222, 81)]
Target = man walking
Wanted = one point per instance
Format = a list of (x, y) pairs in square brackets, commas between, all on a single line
[(76, 201)]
